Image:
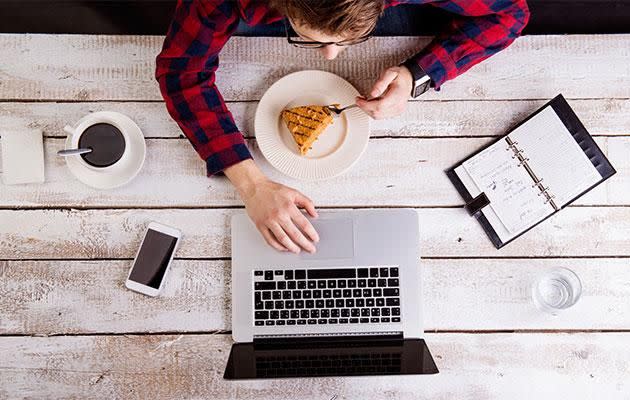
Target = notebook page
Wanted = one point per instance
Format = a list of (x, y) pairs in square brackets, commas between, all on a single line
[(555, 156), (508, 186)]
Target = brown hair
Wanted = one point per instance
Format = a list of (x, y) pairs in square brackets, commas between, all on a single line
[(353, 18)]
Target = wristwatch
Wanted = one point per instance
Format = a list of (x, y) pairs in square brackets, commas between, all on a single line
[(421, 81)]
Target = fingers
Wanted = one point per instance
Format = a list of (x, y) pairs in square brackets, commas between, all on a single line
[(271, 240), (391, 104), (305, 226), (296, 236), (283, 238), (305, 203), (383, 82)]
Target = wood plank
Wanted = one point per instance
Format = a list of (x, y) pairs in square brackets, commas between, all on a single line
[(484, 367), (78, 234), (394, 172), (80, 67), (422, 119), (67, 297)]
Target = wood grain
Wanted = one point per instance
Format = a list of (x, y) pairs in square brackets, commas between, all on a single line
[(392, 172), (444, 232), (422, 118), (82, 67), (67, 297), (481, 367)]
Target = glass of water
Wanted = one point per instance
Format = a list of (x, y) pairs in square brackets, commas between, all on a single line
[(556, 290)]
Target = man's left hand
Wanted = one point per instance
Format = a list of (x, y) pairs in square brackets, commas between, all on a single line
[(389, 96)]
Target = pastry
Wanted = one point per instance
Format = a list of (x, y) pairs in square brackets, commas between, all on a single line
[(306, 123)]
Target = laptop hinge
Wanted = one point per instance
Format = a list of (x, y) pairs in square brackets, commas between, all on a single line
[(382, 338)]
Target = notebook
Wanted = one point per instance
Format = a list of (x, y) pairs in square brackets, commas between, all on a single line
[(22, 156), (545, 163)]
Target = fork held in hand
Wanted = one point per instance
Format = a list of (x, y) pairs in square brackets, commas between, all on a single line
[(338, 111)]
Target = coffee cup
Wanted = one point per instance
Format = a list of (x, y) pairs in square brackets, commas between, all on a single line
[(106, 138)]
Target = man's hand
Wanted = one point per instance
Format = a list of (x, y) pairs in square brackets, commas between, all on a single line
[(389, 95), (274, 209)]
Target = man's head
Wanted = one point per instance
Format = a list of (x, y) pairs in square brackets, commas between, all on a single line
[(331, 20)]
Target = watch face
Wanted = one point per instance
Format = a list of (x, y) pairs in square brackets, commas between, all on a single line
[(421, 88)]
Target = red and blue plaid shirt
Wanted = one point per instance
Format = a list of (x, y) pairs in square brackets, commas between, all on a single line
[(200, 28)]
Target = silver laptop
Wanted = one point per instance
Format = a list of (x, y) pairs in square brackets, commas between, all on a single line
[(357, 298)]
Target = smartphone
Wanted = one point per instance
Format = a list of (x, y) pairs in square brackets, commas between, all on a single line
[(153, 259)]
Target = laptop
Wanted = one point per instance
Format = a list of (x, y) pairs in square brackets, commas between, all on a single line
[(352, 308)]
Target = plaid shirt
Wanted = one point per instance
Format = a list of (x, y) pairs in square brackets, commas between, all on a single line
[(199, 30)]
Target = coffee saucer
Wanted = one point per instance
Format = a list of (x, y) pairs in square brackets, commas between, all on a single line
[(123, 171)]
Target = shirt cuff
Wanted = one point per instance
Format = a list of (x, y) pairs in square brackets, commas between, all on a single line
[(436, 63), (220, 160)]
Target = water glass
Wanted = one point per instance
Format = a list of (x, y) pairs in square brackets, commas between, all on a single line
[(556, 290)]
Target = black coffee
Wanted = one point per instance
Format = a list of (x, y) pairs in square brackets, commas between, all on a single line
[(107, 143)]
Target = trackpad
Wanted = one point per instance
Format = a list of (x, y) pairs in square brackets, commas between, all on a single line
[(336, 239)]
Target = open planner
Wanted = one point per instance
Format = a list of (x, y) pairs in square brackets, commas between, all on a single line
[(542, 165)]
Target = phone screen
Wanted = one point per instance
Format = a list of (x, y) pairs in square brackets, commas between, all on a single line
[(153, 259)]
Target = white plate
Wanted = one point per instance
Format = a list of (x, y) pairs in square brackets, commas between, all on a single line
[(121, 172), (336, 149)]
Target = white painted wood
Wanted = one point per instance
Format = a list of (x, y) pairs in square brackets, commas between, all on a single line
[(70, 234), (96, 67), (65, 297), (481, 367), (397, 172), (422, 118)]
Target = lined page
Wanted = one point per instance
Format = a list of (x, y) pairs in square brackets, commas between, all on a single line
[(508, 186), (555, 156)]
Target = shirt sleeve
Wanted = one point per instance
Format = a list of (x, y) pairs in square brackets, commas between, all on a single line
[(185, 70), (482, 28)]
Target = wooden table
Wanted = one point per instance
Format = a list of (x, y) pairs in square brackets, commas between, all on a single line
[(71, 330)]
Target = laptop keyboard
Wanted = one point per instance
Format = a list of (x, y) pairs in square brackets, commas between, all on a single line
[(362, 295)]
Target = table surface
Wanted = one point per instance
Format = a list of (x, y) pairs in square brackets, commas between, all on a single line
[(69, 328)]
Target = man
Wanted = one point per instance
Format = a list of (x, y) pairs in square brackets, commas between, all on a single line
[(200, 28)]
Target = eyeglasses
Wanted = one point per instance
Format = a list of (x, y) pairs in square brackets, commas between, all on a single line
[(291, 34)]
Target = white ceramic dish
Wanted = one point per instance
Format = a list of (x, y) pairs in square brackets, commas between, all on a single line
[(336, 149), (125, 169)]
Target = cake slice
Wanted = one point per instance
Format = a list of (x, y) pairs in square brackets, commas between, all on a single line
[(306, 123)]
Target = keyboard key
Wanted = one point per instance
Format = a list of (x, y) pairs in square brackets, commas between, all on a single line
[(259, 323), (377, 292), (373, 272), (380, 302), (279, 272), (264, 285), (362, 283), (334, 312), (295, 314), (269, 275), (297, 294), (259, 305), (301, 322), (396, 311), (343, 320), (362, 272), (312, 321), (289, 304), (371, 282), (376, 312), (286, 295), (374, 320), (268, 305), (390, 292), (261, 314), (392, 301), (360, 302), (393, 272), (341, 284), (299, 304), (349, 302), (284, 314), (290, 322), (322, 321), (367, 292), (384, 272), (301, 285), (319, 303), (266, 295), (288, 275), (330, 303), (300, 274), (310, 304), (386, 312), (325, 313), (270, 322), (307, 294), (352, 283), (392, 282), (345, 312), (347, 293), (396, 319), (352, 320), (365, 320), (337, 273), (311, 284), (317, 294), (327, 294), (355, 312), (337, 293), (258, 273), (365, 312), (274, 314), (304, 314), (291, 285), (276, 295), (282, 285), (280, 322), (369, 302), (381, 282), (332, 284), (332, 321), (386, 319)]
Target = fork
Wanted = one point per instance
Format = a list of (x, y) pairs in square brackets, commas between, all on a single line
[(338, 111)]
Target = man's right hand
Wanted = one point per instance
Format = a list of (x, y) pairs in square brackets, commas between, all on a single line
[(275, 209)]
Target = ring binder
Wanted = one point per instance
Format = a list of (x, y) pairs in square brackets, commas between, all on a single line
[(519, 154)]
